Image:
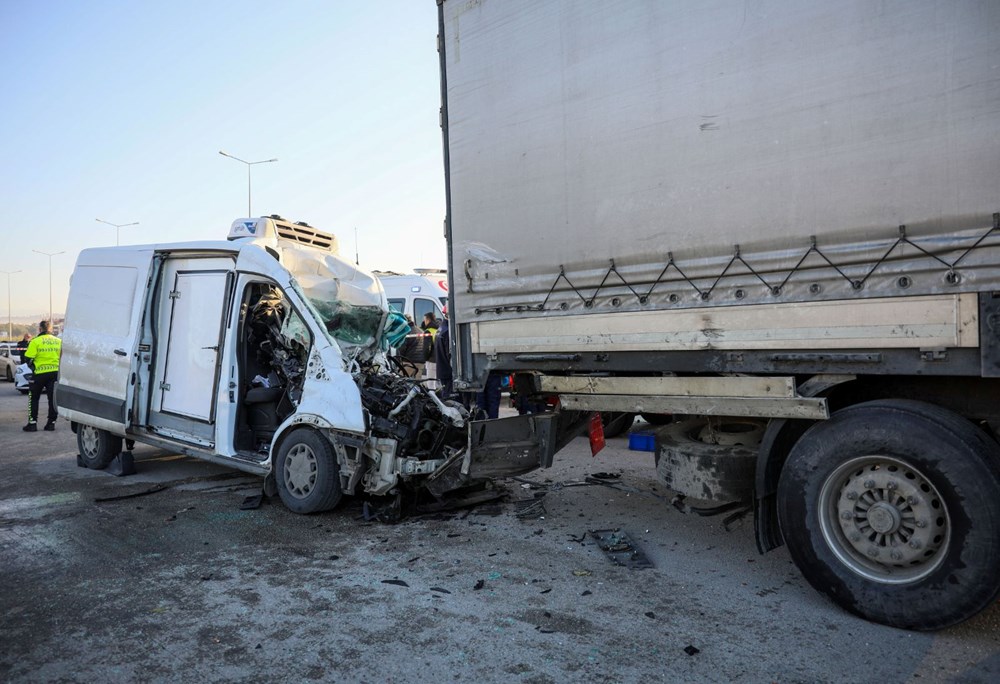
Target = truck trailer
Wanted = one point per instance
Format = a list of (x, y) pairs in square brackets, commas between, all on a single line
[(783, 211)]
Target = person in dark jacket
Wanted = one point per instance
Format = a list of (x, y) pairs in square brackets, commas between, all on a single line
[(22, 347), (442, 357)]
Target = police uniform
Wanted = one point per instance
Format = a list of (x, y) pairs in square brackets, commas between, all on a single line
[(44, 351)]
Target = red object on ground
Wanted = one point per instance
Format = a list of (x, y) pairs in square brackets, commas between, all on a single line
[(596, 434)]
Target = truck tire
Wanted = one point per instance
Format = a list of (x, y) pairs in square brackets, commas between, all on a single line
[(616, 423), (892, 509), (97, 447), (658, 418), (307, 473)]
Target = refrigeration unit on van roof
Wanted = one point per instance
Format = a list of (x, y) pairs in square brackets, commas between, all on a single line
[(275, 227)]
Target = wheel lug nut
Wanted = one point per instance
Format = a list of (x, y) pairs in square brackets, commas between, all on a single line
[(846, 515), (890, 485), (873, 552), (897, 555), (869, 484), (914, 544), (855, 536), (921, 523), (912, 500), (852, 496)]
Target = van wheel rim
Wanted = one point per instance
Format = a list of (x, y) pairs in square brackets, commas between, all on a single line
[(884, 520), (300, 471), (89, 439)]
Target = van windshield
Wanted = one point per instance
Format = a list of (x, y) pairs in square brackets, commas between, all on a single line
[(350, 326)]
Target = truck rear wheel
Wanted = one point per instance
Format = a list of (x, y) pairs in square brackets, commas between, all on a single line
[(892, 509), (307, 473), (97, 447)]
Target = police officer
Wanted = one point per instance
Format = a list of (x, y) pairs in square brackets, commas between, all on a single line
[(43, 357)]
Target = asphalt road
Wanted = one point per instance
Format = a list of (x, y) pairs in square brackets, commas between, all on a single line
[(182, 585)]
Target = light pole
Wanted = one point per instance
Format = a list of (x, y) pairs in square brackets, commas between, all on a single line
[(249, 164), (49, 255), (117, 227), (9, 327)]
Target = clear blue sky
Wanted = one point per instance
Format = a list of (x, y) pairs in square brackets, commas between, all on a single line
[(117, 110)]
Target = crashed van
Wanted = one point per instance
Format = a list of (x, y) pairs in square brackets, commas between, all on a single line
[(267, 352)]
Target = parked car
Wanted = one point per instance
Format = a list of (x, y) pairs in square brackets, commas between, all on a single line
[(22, 378), (8, 363), (9, 360)]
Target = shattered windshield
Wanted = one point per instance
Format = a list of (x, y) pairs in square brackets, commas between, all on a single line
[(349, 326)]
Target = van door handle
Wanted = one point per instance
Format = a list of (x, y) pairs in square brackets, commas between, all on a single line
[(215, 348), (121, 352)]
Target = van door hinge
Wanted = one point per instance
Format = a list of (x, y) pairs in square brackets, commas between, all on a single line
[(165, 386), (175, 294)]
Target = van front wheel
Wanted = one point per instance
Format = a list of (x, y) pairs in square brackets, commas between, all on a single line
[(97, 447), (307, 473)]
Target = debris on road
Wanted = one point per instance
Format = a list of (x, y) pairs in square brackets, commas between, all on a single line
[(395, 582), (691, 650), (252, 502), (622, 551)]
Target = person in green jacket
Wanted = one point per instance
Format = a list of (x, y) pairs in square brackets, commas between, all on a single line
[(43, 357)]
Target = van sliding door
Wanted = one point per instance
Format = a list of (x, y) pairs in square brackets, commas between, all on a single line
[(192, 310)]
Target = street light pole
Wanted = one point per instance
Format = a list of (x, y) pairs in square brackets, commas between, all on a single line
[(9, 327), (249, 164), (117, 227), (49, 255)]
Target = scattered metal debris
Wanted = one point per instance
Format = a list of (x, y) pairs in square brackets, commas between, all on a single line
[(395, 582), (169, 485), (252, 502), (622, 551), (691, 650), (530, 508)]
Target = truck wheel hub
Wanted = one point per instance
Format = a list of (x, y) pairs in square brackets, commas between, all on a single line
[(883, 519)]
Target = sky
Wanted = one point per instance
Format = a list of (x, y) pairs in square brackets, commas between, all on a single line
[(118, 110)]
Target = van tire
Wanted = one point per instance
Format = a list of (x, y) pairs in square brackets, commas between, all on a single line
[(97, 447), (863, 489), (307, 473)]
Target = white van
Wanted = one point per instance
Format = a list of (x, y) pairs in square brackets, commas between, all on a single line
[(421, 292), (266, 353)]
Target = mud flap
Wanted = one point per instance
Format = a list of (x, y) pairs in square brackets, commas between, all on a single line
[(498, 448)]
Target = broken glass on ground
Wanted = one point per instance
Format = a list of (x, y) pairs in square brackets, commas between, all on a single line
[(620, 549)]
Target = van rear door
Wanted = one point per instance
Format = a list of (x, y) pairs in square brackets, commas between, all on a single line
[(100, 337)]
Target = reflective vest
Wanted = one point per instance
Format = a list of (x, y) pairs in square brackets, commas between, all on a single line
[(44, 350)]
